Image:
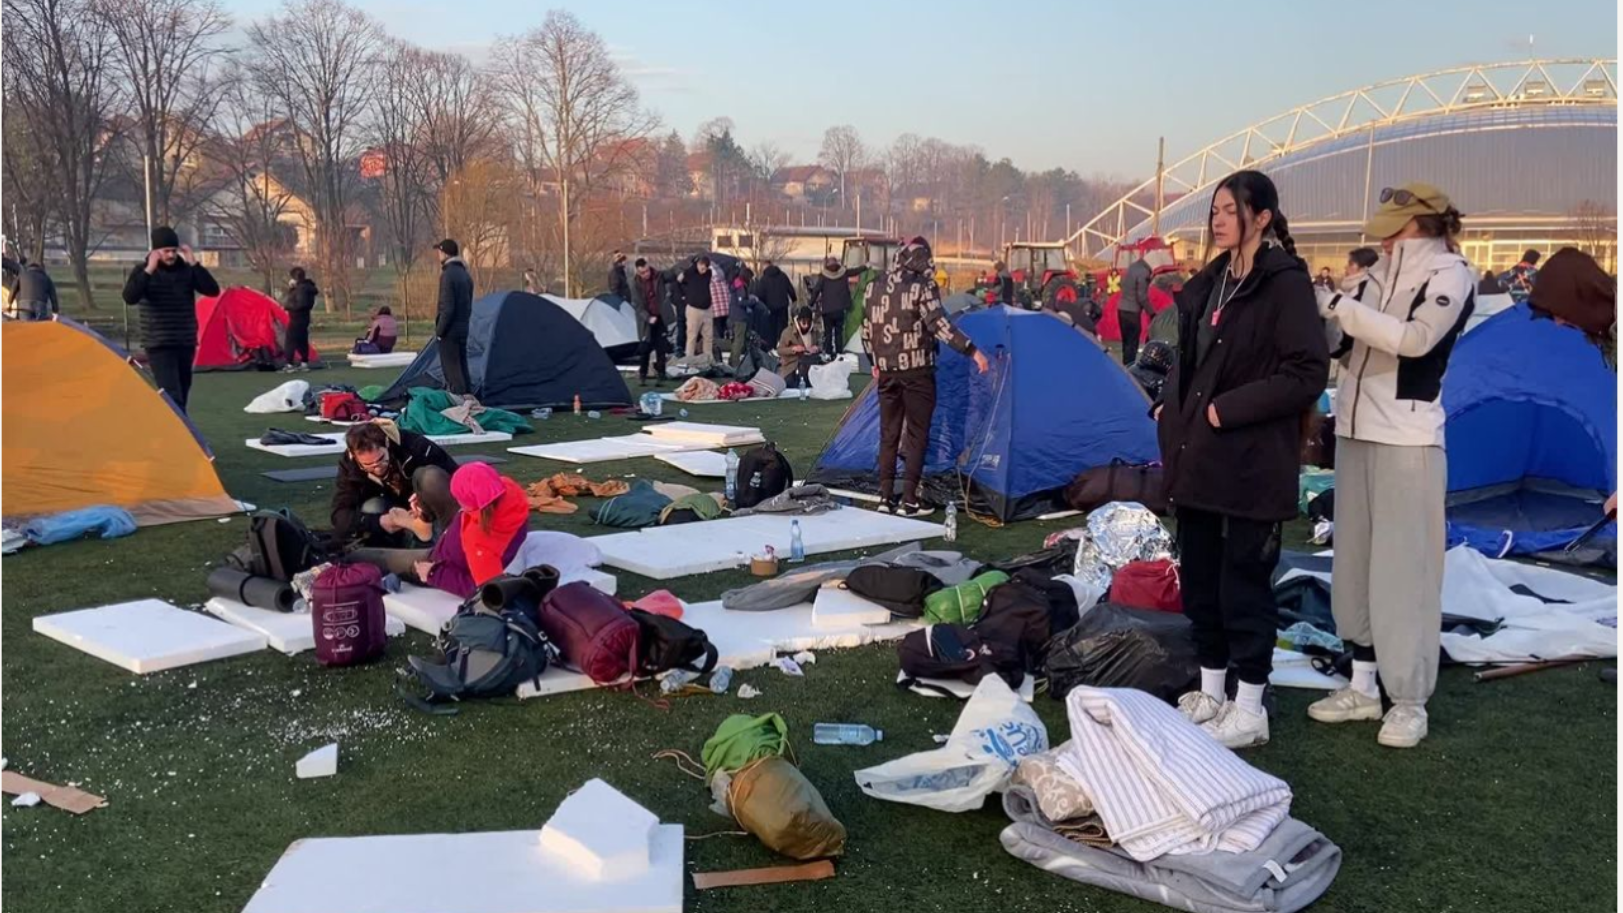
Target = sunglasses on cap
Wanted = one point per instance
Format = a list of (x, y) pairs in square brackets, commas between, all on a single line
[(1404, 197)]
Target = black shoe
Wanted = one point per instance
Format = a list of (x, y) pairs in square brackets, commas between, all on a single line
[(888, 507), (914, 510), (643, 381)]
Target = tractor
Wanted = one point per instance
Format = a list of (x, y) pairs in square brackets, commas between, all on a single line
[(1042, 275)]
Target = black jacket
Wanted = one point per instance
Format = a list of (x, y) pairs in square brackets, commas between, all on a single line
[(34, 284), (619, 282), (696, 287), (456, 300), (1264, 371), (776, 289), (832, 293), (168, 300), (354, 487), (300, 299)]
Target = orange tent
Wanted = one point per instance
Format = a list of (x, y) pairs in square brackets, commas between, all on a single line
[(82, 428)]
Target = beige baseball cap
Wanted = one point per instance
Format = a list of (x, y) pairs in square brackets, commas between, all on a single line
[(1400, 204)]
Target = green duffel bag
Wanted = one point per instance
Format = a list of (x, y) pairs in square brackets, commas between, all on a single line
[(961, 604)]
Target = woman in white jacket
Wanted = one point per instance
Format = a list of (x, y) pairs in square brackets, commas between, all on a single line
[(1391, 472)]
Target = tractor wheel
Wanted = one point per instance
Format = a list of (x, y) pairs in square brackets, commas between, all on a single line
[(1061, 293)]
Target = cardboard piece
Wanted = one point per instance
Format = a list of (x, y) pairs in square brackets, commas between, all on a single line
[(601, 833), (837, 607), (778, 874), (337, 445), (707, 464), (148, 635), (495, 872), (323, 762), (285, 632), (68, 798)]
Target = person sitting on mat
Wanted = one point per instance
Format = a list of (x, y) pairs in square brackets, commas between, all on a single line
[(380, 335), (393, 489), (797, 350), (479, 542)]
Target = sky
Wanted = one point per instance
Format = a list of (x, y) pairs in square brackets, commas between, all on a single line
[(1086, 85)]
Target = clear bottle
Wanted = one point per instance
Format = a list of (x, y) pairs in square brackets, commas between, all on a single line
[(846, 734), (805, 391), (797, 546), (683, 413), (594, 414), (951, 534), (732, 474), (721, 678)]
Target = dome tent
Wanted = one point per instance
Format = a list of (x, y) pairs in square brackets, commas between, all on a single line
[(240, 328), (1531, 436), (612, 322), (1053, 405)]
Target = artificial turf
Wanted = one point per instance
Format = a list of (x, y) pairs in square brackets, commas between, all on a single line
[(1509, 805)]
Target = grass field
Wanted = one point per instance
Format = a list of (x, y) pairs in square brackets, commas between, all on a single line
[(1510, 805)]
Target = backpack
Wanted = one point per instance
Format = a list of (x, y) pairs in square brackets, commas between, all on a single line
[(1149, 585), (592, 631), (483, 654), (1063, 612), (952, 651), (346, 611), (279, 546), (665, 643), (763, 473), (1020, 617), (903, 590), (343, 406), (1120, 481)]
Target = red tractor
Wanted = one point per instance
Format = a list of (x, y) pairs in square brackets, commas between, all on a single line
[(1042, 276), (1165, 281)]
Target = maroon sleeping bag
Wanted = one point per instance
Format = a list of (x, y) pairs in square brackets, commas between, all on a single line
[(346, 611), (592, 631)]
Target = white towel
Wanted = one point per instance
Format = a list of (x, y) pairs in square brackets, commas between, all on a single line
[(1160, 783)]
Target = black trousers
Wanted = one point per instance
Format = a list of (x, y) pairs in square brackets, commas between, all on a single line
[(172, 369), (834, 334), (1226, 575), (654, 346), (1131, 329), (298, 338), (454, 362), (780, 322), (906, 403), (681, 329)]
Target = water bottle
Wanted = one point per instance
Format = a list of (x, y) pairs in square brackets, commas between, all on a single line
[(804, 390), (676, 679), (732, 474), (797, 548), (720, 678), (683, 413), (594, 415), (544, 413), (846, 734), (951, 535)]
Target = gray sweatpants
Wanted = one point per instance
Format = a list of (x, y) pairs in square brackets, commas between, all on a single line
[(1386, 587)]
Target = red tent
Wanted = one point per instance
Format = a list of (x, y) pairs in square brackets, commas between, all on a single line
[(240, 329)]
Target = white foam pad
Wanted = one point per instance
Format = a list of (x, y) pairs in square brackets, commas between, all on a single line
[(1295, 670), (494, 872), (712, 435), (427, 609), (602, 450), (709, 464), (837, 607), (148, 635), (323, 762), (382, 360), (286, 632), (601, 833), (963, 690)]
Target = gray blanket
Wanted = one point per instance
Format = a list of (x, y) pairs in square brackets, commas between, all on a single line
[(801, 499), (800, 585)]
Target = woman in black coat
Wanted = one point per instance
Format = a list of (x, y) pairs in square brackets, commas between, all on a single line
[(300, 301), (1252, 362)]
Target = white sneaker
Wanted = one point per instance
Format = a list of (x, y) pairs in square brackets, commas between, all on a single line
[(1236, 727), (1405, 726), (1199, 707), (1345, 706)]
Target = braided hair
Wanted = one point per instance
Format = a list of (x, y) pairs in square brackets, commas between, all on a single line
[(1255, 193)]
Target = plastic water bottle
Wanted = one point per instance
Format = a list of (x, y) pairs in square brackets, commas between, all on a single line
[(732, 474), (804, 390), (683, 413), (797, 547), (951, 535), (846, 734), (721, 678), (544, 413), (594, 415)]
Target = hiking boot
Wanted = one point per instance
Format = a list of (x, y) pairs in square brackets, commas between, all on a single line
[(1345, 706), (914, 509), (1199, 707), (1405, 726), (1236, 727)]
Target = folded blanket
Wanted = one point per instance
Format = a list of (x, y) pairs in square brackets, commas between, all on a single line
[(276, 437), (550, 496), (801, 499), (698, 389)]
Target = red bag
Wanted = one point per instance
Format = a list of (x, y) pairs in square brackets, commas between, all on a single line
[(346, 611), (343, 406), (592, 631), (1148, 585), (735, 390)]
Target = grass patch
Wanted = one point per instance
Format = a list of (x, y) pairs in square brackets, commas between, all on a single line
[(1510, 805)]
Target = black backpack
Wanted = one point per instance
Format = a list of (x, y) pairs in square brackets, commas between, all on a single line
[(665, 643), (953, 651), (279, 546), (900, 589), (1019, 617), (763, 473)]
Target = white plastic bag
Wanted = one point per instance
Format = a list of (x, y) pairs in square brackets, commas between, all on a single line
[(995, 730), (289, 397), (831, 381)]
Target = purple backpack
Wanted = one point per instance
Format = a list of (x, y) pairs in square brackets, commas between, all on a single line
[(594, 633), (346, 610)]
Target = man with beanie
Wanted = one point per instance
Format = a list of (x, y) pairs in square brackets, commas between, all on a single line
[(901, 324), (451, 321), (166, 287)]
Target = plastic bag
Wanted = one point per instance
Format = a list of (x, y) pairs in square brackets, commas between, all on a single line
[(289, 397), (774, 801), (1117, 647), (105, 521), (831, 381), (995, 730)]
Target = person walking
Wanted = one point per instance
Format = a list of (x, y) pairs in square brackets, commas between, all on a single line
[(701, 330), (1252, 361), (831, 297), (1130, 307), (451, 320), (653, 321), (777, 292), (619, 285), (35, 295), (901, 324), (1391, 469), (300, 301), (166, 287)]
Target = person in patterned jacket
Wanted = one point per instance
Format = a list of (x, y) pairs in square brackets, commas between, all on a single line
[(902, 322)]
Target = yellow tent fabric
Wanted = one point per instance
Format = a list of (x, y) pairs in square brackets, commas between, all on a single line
[(81, 427)]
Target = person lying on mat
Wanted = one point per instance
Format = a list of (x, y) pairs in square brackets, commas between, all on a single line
[(393, 489), (798, 350), (479, 542)]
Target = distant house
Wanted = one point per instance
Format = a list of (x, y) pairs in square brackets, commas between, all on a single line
[(802, 182), (699, 173)]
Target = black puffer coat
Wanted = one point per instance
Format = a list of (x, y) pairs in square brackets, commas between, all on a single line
[(168, 300)]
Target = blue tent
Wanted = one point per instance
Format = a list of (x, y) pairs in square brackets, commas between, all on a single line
[(1053, 405), (524, 352), (1531, 434)]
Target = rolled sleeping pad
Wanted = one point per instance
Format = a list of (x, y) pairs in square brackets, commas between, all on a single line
[(507, 590), (258, 592), (545, 577)]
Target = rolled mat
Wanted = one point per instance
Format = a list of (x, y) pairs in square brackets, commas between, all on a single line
[(545, 577), (258, 592), (505, 591)]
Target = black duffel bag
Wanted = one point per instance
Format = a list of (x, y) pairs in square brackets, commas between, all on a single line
[(1120, 481)]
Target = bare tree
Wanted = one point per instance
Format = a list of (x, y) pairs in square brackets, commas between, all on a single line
[(767, 159), (59, 58), (245, 201), (455, 109), (165, 51), (843, 153), (24, 185), (401, 151), (576, 121), (1594, 228), (318, 60)]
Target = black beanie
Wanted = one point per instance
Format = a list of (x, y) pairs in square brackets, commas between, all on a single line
[(164, 236)]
